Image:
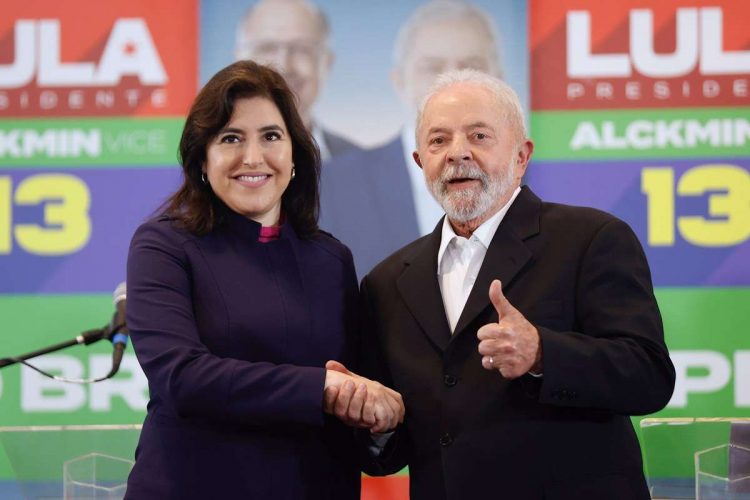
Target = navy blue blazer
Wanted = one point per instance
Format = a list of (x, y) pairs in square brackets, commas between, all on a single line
[(233, 336), (366, 201)]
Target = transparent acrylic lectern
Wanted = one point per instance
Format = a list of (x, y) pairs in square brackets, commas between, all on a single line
[(71, 462), (701, 458)]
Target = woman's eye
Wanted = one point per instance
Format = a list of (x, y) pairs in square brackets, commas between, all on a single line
[(272, 136), (230, 138)]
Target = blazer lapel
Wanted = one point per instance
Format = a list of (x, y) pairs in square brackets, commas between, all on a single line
[(505, 257), (419, 288)]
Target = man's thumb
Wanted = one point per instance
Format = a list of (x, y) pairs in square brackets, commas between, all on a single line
[(502, 306)]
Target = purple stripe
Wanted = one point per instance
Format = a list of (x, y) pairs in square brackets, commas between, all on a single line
[(120, 200), (615, 187)]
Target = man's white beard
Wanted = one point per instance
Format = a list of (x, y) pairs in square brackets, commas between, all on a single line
[(464, 205)]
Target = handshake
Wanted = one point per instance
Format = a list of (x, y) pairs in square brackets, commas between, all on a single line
[(360, 402)]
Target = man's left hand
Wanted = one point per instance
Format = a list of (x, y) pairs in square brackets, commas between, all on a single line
[(512, 344)]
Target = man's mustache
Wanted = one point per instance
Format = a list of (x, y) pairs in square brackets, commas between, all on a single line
[(463, 170)]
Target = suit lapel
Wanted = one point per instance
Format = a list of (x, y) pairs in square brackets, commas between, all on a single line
[(505, 257), (419, 287)]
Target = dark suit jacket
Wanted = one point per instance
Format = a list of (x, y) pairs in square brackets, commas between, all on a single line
[(233, 336), (580, 276), (366, 202)]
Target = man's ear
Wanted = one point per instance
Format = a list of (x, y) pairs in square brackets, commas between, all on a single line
[(524, 156), (415, 155)]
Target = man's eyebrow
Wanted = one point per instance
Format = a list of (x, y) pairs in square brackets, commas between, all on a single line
[(479, 124), (434, 130)]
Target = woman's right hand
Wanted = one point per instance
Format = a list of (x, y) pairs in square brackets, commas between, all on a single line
[(359, 401)]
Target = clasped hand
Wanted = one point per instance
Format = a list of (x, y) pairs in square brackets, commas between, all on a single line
[(511, 345), (359, 401)]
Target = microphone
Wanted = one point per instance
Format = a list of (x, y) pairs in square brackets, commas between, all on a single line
[(118, 330)]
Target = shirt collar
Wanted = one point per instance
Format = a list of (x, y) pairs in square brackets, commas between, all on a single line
[(483, 233)]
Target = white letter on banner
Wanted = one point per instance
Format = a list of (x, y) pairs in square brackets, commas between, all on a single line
[(130, 50), (581, 62), (718, 374), (645, 59), (714, 60), (42, 394), (585, 136), (742, 378), (132, 389), (21, 72), (52, 71)]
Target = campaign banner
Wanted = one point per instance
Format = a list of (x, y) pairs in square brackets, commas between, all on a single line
[(703, 330), (29, 398), (92, 142), (129, 57), (639, 54), (691, 215), (68, 230), (641, 133)]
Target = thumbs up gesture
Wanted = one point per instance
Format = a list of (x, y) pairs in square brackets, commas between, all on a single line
[(512, 344)]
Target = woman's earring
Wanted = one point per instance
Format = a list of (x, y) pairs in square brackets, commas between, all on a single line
[(203, 178), (293, 172)]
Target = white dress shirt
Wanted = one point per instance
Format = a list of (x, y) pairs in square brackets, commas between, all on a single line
[(459, 260)]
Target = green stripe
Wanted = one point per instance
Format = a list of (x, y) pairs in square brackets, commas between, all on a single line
[(628, 134), (697, 319), (81, 142)]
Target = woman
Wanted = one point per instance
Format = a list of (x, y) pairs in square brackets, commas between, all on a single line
[(235, 302)]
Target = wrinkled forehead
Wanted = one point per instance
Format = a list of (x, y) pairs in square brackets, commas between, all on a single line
[(465, 106), (283, 22)]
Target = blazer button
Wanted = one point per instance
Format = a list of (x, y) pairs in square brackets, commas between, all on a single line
[(446, 440), (450, 380)]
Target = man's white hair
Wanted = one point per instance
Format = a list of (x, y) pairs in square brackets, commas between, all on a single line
[(317, 16), (504, 94), (440, 10)]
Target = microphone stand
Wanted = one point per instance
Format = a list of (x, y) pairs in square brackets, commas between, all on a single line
[(86, 338), (112, 332)]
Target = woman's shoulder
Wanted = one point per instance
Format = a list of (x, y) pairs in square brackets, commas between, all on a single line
[(163, 229), (328, 243)]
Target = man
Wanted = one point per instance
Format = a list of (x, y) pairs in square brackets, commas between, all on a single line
[(381, 189), (521, 334), (292, 36)]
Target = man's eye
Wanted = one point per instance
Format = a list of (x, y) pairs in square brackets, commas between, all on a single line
[(481, 136), (437, 140)]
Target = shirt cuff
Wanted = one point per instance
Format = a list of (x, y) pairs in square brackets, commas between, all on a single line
[(378, 442)]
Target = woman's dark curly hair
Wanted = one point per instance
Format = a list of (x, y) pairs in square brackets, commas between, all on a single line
[(194, 204)]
